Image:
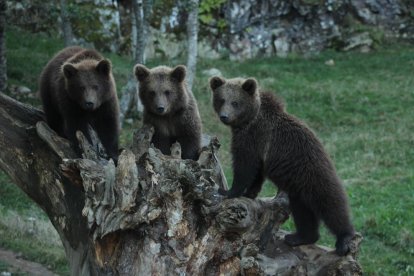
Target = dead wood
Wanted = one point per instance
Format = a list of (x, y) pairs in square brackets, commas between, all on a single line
[(151, 214)]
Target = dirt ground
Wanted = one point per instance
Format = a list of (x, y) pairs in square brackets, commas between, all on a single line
[(17, 264)]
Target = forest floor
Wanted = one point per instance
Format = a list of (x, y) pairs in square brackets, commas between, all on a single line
[(360, 105), (14, 264)]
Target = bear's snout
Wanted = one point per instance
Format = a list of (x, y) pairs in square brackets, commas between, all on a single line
[(87, 105), (224, 118), (160, 109), (90, 99)]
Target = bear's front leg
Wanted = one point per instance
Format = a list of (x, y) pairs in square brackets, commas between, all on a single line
[(190, 147), (106, 125), (256, 187), (73, 124), (246, 168), (162, 142)]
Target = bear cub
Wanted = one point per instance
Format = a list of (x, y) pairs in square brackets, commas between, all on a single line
[(268, 142), (77, 88), (170, 108)]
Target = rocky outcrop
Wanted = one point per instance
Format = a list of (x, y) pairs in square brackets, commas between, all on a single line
[(276, 27), (251, 28)]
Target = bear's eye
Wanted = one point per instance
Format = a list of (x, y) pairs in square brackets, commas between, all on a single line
[(82, 88), (152, 93), (221, 101), (235, 104), (167, 92), (95, 87)]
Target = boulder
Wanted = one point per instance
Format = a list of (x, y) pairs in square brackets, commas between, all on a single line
[(361, 41)]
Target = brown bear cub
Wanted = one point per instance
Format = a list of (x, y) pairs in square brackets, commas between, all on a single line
[(171, 108), (77, 88), (268, 142)]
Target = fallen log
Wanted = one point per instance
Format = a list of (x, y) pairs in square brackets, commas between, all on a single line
[(151, 214)]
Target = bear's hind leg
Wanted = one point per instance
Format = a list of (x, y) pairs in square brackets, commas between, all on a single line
[(342, 244), (337, 219), (306, 222)]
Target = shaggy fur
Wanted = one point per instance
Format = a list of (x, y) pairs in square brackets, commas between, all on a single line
[(77, 88), (170, 108), (268, 142)]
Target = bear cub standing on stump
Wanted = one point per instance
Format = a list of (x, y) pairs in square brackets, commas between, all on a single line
[(77, 88), (268, 142), (171, 108)]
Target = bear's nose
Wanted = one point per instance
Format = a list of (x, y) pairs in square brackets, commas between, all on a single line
[(89, 105), (160, 109), (224, 118)]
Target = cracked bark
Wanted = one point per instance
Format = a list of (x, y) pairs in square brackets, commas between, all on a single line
[(152, 214)]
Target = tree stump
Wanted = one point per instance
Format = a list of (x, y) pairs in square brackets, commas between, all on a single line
[(151, 214)]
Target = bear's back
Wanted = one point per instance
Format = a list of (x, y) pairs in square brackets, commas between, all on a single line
[(52, 76), (271, 112), (276, 134), (74, 55), (53, 66), (288, 140), (85, 54)]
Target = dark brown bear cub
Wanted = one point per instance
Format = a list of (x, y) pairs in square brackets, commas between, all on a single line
[(77, 88), (268, 142), (170, 108)]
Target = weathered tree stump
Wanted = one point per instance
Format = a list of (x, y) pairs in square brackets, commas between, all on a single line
[(151, 214)]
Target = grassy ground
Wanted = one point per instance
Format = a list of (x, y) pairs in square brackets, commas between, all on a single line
[(360, 108)]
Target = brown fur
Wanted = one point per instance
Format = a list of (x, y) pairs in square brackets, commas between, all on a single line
[(170, 108), (268, 142), (77, 88)]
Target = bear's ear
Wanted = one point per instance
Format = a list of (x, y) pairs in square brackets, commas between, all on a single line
[(216, 82), (178, 73), (250, 86), (141, 72), (104, 67), (69, 70)]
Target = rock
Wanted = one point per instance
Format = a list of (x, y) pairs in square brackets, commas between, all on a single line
[(308, 26), (253, 29), (364, 49), (330, 62), (129, 121), (361, 41), (240, 48), (282, 46), (21, 91), (162, 44), (206, 51), (212, 72)]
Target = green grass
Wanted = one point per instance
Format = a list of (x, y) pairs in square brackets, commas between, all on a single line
[(5, 267), (35, 250), (361, 108)]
